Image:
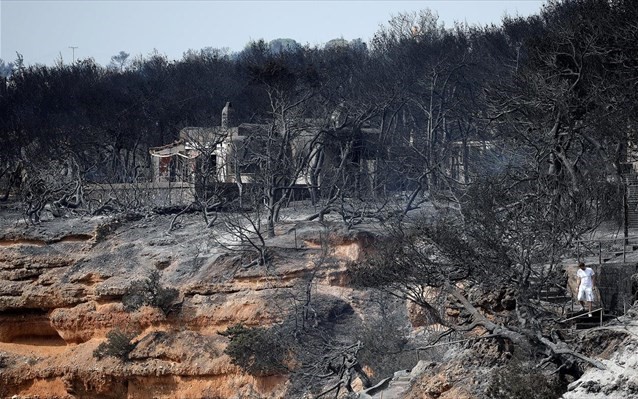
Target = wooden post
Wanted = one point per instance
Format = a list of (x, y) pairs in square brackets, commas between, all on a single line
[(624, 306), (625, 206), (578, 250), (624, 250)]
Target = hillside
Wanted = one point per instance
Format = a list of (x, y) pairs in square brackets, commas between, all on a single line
[(67, 283), (62, 285)]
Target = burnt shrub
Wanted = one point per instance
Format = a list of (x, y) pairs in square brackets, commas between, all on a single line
[(256, 350), (118, 344), (150, 292), (384, 348), (514, 381)]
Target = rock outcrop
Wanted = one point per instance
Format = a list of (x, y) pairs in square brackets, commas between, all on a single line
[(617, 344), (63, 284)]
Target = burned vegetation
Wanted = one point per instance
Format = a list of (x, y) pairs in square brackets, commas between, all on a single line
[(456, 170)]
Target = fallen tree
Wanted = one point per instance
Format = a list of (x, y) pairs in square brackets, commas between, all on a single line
[(479, 270)]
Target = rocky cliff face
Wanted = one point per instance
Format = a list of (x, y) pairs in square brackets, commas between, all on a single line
[(616, 345), (62, 285)]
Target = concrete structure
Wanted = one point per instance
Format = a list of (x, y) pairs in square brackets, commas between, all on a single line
[(151, 194), (221, 150), (231, 152)]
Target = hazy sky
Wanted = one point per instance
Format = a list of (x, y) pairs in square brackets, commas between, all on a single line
[(42, 30)]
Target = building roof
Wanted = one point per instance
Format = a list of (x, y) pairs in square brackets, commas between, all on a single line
[(176, 148), (248, 129), (205, 135), (166, 147)]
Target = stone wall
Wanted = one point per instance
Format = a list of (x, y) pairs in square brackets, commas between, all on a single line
[(614, 284)]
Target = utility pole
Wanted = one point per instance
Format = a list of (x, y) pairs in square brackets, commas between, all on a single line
[(73, 48)]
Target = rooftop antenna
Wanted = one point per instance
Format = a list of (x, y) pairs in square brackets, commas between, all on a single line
[(73, 48)]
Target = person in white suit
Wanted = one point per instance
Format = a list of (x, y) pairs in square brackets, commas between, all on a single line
[(586, 285)]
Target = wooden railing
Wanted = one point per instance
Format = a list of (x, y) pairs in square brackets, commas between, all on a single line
[(606, 248), (587, 314)]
